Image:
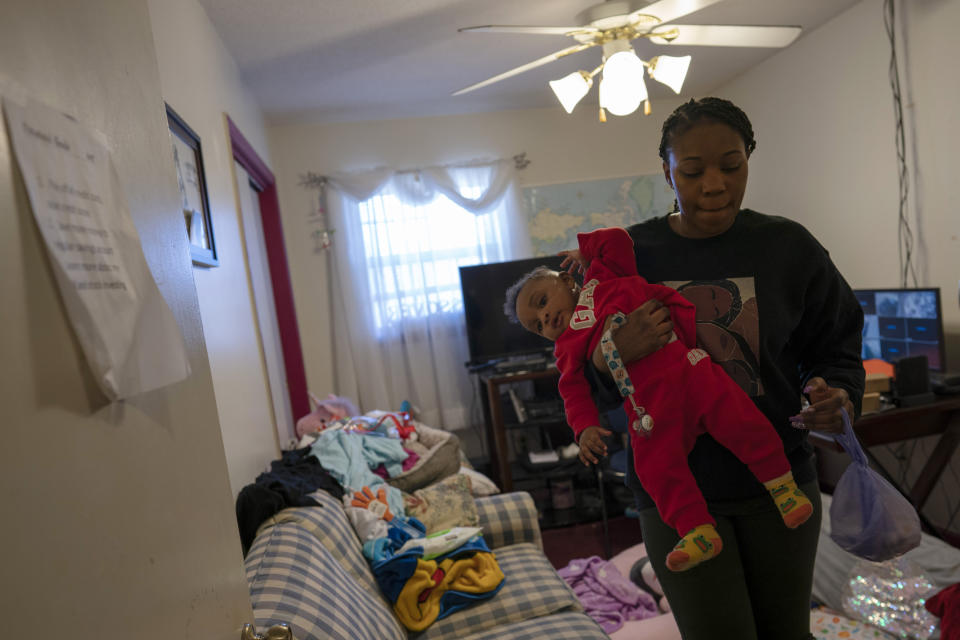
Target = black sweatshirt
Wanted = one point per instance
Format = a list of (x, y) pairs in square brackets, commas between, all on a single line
[(773, 310)]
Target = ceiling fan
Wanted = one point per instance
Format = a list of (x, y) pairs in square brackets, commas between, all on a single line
[(612, 25)]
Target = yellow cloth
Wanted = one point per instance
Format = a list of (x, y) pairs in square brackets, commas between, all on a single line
[(418, 604)]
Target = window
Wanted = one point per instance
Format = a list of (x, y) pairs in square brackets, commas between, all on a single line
[(398, 325), (414, 251)]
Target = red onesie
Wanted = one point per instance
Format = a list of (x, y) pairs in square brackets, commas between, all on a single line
[(678, 386)]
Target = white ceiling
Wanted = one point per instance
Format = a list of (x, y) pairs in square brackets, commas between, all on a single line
[(347, 60)]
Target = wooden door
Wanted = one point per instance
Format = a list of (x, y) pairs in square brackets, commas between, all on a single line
[(118, 519)]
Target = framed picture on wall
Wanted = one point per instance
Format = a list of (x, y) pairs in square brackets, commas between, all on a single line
[(195, 204)]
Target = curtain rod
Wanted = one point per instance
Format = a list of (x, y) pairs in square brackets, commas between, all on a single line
[(316, 181)]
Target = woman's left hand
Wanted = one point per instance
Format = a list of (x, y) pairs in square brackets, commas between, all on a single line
[(824, 413)]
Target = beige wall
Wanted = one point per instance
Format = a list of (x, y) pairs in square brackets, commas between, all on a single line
[(201, 82)]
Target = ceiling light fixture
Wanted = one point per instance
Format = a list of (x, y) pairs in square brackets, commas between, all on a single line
[(571, 89), (613, 24), (622, 88), (669, 70)]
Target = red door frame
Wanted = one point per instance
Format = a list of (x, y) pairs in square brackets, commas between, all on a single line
[(244, 153)]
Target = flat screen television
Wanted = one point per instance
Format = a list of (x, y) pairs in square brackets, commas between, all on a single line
[(899, 323), (491, 336)]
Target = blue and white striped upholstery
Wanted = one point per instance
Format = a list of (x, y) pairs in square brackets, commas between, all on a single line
[(330, 525), (562, 626), (509, 518), (306, 568), (294, 579), (532, 588)]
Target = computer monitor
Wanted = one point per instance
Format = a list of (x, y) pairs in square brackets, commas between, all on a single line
[(899, 323)]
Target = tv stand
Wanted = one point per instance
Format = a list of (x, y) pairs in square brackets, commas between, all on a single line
[(539, 363), (496, 429), (530, 362), (564, 490)]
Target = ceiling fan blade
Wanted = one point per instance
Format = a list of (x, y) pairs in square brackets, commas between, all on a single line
[(715, 35), (549, 31), (530, 65), (668, 10)]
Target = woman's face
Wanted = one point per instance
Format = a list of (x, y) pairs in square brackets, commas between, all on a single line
[(707, 169)]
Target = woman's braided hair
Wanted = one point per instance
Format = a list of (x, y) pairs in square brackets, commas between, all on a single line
[(715, 109)]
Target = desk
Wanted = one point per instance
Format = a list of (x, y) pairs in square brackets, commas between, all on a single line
[(496, 432), (895, 425)]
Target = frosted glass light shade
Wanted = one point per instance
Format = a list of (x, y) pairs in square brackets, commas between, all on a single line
[(571, 89), (670, 70), (622, 88)]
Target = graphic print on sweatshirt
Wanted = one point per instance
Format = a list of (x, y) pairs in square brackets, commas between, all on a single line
[(728, 326)]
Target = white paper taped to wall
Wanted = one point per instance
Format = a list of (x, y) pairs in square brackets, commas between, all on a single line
[(125, 327)]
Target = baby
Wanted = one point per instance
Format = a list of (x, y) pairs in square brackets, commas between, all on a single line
[(682, 393)]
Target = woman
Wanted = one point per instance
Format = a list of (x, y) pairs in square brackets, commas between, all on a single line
[(798, 325)]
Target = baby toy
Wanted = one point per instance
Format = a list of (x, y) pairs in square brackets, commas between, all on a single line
[(398, 423), (324, 412)]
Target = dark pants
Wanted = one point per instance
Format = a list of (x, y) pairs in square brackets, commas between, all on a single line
[(757, 588)]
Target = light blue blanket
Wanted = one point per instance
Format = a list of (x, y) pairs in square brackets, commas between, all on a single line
[(350, 456)]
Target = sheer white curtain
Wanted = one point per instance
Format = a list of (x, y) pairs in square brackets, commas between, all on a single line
[(399, 329)]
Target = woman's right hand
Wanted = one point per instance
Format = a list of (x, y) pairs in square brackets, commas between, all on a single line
[(648, 328)]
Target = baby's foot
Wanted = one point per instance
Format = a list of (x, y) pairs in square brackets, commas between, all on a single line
[(699, 545), (794, 506)]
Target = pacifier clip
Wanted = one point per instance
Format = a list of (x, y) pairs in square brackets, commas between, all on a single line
[(643, 423)]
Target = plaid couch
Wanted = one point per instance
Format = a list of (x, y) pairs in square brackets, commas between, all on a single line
[(306, 568)]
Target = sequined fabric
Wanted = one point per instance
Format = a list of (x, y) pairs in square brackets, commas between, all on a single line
[(890, 595)]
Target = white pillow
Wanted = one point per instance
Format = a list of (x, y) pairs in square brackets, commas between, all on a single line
[(481, 484)]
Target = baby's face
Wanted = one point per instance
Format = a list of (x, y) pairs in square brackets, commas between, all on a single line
[(544, 305)]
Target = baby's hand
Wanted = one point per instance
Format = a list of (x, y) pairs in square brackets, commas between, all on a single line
[(592, 446), (573, 261)]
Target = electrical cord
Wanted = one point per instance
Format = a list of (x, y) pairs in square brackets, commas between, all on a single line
[(904, 233)]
